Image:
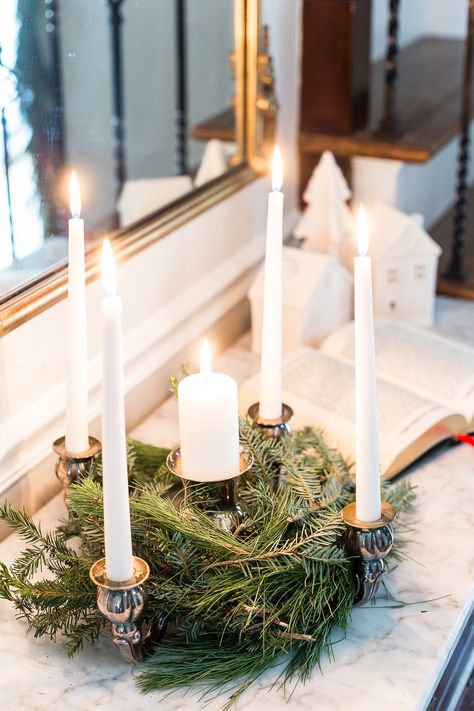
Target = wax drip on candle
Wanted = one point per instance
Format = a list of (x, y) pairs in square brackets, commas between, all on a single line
[(205, 360), (277, 170), (362, 232), (109, 275), (74, 196)]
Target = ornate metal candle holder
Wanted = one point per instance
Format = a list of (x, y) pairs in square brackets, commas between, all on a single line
[(123, 605), (370, 541), (70, 466), (272, 428), (229, 505)]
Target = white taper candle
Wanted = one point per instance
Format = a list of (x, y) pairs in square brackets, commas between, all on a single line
[(77, 421), (117, 530), (367, 439), (270, 407)]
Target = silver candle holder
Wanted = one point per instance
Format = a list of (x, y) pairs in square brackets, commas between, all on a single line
[(123, 605), (278, 427), (369, 542), (70, 466), (229, 504)]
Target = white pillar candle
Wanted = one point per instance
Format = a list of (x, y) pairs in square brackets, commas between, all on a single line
[(118, 539), (208, 424), (77, 421), (270, 407), (367, 439)]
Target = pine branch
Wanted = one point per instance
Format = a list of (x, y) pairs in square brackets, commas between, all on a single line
[(239, 600)]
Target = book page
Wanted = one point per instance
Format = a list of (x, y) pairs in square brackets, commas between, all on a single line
[(435, 367), (321, 391)]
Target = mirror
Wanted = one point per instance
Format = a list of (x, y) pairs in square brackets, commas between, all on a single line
[(138, 96)]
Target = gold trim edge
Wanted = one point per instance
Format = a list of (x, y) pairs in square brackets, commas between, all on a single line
[(53, 287)]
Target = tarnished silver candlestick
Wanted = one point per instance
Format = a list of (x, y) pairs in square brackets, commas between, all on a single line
[(123, 604), (70, 466), (370, 542), (228, 496), (278, 427)]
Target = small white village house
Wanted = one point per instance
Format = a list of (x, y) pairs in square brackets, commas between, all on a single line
[(405, 263), (317, 298)]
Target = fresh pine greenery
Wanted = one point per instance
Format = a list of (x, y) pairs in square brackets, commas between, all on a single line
[(271, 590)]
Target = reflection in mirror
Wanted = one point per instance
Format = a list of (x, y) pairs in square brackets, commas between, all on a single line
[(135, 95)]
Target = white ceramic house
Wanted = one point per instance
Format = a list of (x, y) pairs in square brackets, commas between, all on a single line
[(405, 263), (317, 298)]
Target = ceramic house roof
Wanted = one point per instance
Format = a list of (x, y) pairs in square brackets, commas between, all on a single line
[(301, 273), (394, 233)]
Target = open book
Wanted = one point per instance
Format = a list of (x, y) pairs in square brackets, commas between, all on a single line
[(425, 390)]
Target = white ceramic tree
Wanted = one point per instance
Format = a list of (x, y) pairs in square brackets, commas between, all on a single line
[(213, 162), (327, 218)]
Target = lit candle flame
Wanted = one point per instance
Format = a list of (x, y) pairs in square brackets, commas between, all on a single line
[(362, 232), (75, 196), (205, 361), (109, 275), (277, 170)]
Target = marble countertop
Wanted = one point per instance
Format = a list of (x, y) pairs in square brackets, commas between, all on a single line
[(392, 656)]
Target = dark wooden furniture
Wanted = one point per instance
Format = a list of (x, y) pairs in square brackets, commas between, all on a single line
[(334, 74), (335, 66), (429, 96), (221, 126)]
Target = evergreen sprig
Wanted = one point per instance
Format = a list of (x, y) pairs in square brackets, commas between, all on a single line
[(272, 589)]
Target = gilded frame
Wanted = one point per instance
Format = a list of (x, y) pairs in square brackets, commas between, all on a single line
[(51, 287)]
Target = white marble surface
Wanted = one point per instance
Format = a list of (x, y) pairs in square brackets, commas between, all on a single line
[(391, 657)]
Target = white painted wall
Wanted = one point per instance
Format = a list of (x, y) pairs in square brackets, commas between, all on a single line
[(173, 292)]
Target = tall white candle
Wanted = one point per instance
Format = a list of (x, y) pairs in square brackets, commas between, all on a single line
[(367, 438), (118, 540), (270, 407), (208, 424), (77, 421)]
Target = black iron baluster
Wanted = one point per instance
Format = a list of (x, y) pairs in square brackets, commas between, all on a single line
[(457, 269), (6, 161), (118, 125), (389, 123), (57, 136), (181, 111), (52, 17)]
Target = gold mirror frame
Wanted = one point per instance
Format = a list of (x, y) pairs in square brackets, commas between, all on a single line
[(255, 110)]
